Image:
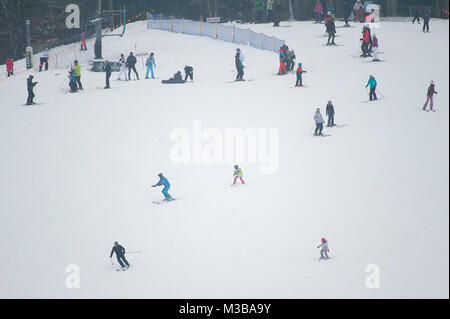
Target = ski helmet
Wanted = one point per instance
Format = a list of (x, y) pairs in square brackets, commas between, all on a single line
[(116, 243), (235, 166), (318, 110), (160, 175), (323, 239), (300, 64)]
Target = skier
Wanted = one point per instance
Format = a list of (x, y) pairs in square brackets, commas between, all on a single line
[(177, 78), (269, 7), (347, 12), (330, 8), (290, 60), (123, 71), (430, 93), (108, 73), (282, 69), (259, 9), (164, 182), (189, 73), (44, 60), (325, 250), (30, 86), (357, 8), (83, 37), (10, 67), (416, 16), (426, 22), (299, 82), (238, 174), (318, 11), (131, 63), (77, 69), (150, 64), (277, 15), (375, 48), (72, 81), (120, 254), (318, 119), (247, 8), (238, 60), (330, 113), (331, 30), (373, 87), (366, 42)]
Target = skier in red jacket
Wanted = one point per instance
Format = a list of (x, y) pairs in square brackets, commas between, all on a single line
[(10, 67)]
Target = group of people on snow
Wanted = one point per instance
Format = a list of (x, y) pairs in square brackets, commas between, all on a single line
[(426, 19), (287, 60), (261, 11)]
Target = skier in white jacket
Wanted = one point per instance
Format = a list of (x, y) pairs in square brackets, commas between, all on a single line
[(319, 123), (123, 70), (325, 250)]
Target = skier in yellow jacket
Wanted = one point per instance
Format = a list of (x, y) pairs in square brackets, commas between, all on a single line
[(238, 174)]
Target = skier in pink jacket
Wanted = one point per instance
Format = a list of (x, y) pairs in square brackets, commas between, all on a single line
[(318, 10)]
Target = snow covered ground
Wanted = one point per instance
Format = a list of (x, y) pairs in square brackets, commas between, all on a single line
[(76, 173)]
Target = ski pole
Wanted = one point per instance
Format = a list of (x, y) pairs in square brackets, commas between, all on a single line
[(381, 94), (133, 252), (112, 264)]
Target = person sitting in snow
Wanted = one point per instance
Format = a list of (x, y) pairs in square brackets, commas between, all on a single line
[(238, 174), (177, 78), (325, 250), (300, 71), (372, 83)]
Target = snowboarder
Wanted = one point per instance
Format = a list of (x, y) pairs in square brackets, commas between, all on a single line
[(123, 71), (72, 81), (83, 38), (331, 30), (238, 60), (318, 11), (325, 250), (375, 48), (426, 22), (10, 67), (108, 73), (366, 42), (164, 182), (77, 68), (189, 73), (318, 119), (176, 79), (299, 82), (44, 60), (372, 83), (430, 94), (131, 63), (416, 16), (330, 113), (347, 12), (30, 86), (238, 174), (150, 64), (120, 254)]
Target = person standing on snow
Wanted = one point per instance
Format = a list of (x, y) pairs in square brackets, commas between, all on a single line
[(77, 68), (318, 119), (426, 22), (72, 81), (10, 67), (372, 83), (277, 13), (325, 250), (330, 113), (331, 30), (347, 12), (282, 69), (238, 60), (44, 60), (238, 174), (299, 82), (416, 16), (430, 94), (164, 182), (189, 73), (259, 9), (318, 11), (150, 64), (357, 9), (366, 42), (108, 73), (123, 71), (120, 254), (375, 48), (269, 7), (83, 38), (30, 86), (131, 62)]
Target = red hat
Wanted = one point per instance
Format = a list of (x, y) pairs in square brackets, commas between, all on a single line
[(323, 239)]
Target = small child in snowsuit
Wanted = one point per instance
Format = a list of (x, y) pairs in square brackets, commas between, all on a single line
[(300, 71), (430, 93), (375, 48), (325, 250), (238, 174)]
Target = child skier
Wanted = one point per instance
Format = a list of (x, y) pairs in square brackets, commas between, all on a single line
[(318, 11), (123, 70), (375, 48), (282, 69), (164, 182), (10, 67), (238, 61), (44, 60), (238, 174), (430, 93), (331, 30), (416, 16), (318, 119), (325, 250), (72, 81), (373, 88), (150, 64), (299, 82)]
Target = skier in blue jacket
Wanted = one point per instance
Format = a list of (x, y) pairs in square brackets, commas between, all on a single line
[(164, 182), (150, 64), (372, 83)]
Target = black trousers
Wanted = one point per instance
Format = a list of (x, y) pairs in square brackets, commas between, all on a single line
[(416, 18), (78, 78), (122, 261), (319, 128), (330, 119), (299, 80), (10, 73), (134, 70), (373, 94), (43, 61), (189, 75), (240, 75), (365, 48), (108, 76), (30, 97), (426, 25), (331, 38)]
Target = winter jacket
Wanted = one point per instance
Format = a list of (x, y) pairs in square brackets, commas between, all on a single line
[(431, 90), (300, 71), (131, 61), (188, 69), (259, 5), (150, 61), (238, 62), (366, 36), (318, 8), (119, 250), (358, 5), (122, 62), (238, 172), (318, 118), (330, 109), (83, 36), (77, 69), (324, 246), (72, 77), (178, 76), (372, 83), (9, 65), (269, 4), (45, 54), (164, 182), (375, 42), (30, 84), (426, 18), (331, 27)]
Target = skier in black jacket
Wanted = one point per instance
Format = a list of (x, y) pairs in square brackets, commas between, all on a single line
[(30, 86), (189, 71), (239, 66), (131, 63), (108, 74), (330, 114), (331, 29), (426, 22), (120, 254)]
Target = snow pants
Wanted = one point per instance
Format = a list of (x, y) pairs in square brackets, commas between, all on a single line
[(150, 70), (124, 72), (132, 67), (372, 94), (236, 178), (240, 75), (426, 25), (330, 119), (122, 261), (429, 99), (30, 97), (282, 69), (375, 53), (319, 128), (165, 192)]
